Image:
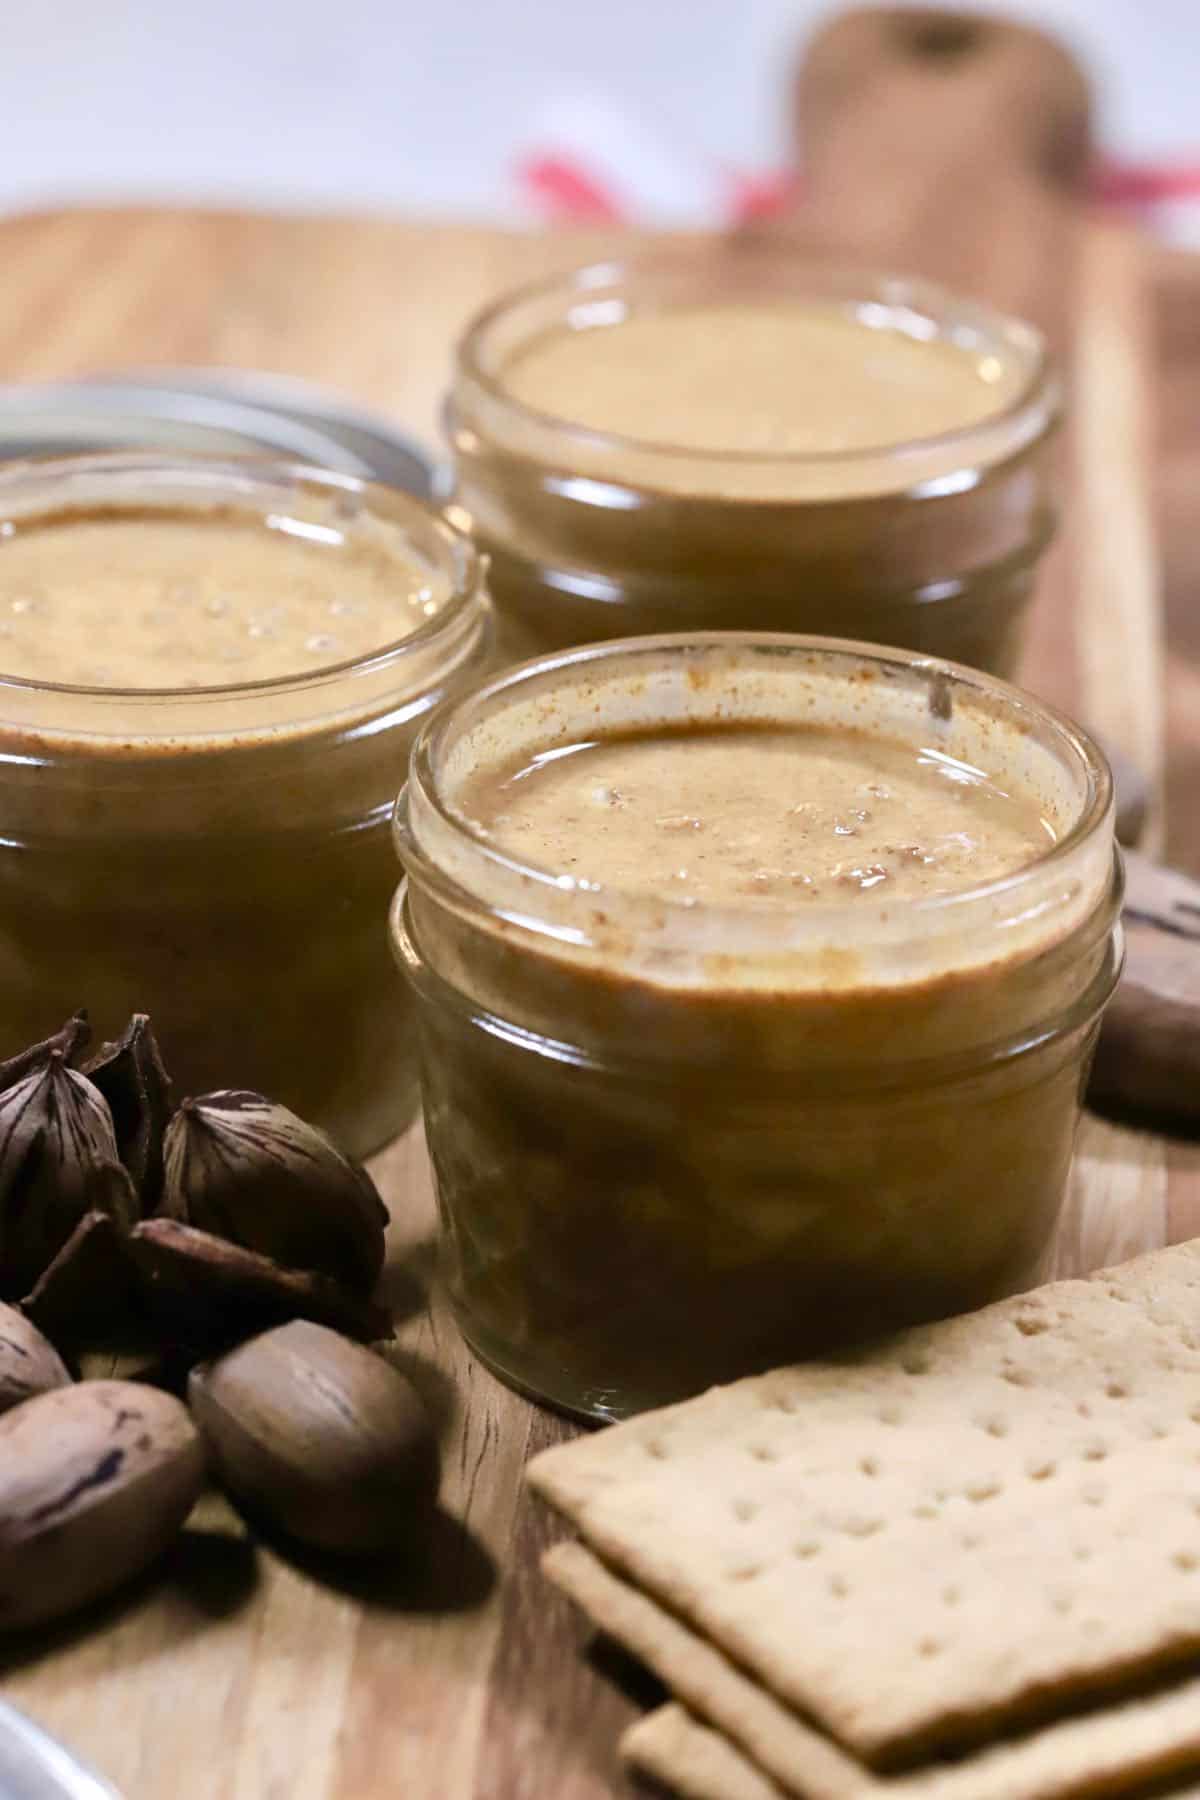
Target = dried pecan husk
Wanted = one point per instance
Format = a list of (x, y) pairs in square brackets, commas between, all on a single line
[(129, 1073), (90, 1290), (71, 1039), (58, 1161), (203, 1290), (250, 1171)]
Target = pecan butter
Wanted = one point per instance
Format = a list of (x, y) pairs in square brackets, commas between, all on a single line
[(757, 979), (210, 676), (735, 440)]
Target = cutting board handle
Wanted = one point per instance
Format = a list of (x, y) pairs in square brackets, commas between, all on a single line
[(945, 141), (934, 86), (1148, 1058)]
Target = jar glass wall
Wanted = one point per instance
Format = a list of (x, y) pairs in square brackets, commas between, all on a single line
[(880, 472), (219, 856), (676, 1142)]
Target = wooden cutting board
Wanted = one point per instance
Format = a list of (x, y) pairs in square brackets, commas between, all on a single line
[(235, 1675)]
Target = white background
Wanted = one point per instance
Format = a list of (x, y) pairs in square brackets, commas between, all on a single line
[(428, 106)]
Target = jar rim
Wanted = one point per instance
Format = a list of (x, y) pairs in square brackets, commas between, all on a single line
[(1024, 418), (527, 888), (250, 475)]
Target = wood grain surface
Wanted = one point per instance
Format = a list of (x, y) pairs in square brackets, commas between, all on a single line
[(242, 1674)]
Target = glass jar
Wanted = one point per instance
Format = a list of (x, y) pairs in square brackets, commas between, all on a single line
[(220, 857), (675, 1142), (930, 542)]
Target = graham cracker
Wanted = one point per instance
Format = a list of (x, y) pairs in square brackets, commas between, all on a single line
[(1133, 1741), (697, 1673), (682, 1753), (677, 1750), (966, 1526)]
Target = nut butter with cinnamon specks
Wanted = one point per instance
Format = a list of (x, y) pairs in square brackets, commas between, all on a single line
[(210, 676), (757, 979)]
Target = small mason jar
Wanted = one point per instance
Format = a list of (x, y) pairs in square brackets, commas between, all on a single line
[(676, 1141), (699, 442), (220, 856)]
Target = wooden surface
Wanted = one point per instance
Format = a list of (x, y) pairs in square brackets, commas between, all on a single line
[(237, 1675)]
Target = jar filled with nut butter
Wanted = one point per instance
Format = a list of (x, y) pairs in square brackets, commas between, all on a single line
[(211, 673), (757, 981), (735, 439)]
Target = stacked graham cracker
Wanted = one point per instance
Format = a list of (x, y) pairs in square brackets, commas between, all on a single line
[(960, 1565)]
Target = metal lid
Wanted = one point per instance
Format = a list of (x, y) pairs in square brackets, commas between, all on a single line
[(213, 411)]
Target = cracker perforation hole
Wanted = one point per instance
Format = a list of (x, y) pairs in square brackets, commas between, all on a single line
[(951, 1595), (1019, 1378), (1031, 1325), (1186, 1561), (806, 1549), (891, 1415), (915, 1363), (657, 1449), (868, 1465), (987, 1489), (929, 1647), (1042, 1471), (996, 1426), (1095, 1452), (1116, 1390), (744, 1511), (746, 1572), (764, 1453), (839, 1587)]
